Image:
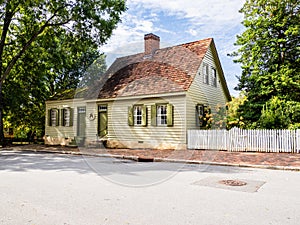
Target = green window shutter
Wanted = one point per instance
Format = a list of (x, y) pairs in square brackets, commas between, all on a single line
[(57, 117), (71, 116), (144, 115), (62, 113), (197, 116), (169, 115), (153, 115), (130, 116), (49, 118), (200, 115)]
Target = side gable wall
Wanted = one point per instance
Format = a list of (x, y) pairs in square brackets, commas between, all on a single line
[(206, 94)]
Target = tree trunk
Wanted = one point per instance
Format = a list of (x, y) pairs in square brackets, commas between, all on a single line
[(2, 140)]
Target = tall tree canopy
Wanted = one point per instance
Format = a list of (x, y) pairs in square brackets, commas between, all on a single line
[(269, 53), (44, 47)]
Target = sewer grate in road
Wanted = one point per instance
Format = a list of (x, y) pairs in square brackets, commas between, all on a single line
[(231, 184)]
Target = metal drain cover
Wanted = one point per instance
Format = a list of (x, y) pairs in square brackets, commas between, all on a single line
[(233, 182)]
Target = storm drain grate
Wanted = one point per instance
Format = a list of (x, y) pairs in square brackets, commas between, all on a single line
[(233, 182)]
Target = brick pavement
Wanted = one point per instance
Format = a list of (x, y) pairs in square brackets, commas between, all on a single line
[(249, 159)]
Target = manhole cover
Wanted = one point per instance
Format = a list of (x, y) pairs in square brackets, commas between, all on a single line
[(233, 182)]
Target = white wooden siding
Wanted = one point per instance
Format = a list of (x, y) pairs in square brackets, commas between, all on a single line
[(118, 128), (201, 93), (91, 125), (60, 134)]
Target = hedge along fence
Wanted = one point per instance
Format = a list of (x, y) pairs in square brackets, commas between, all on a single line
[(245, 140)]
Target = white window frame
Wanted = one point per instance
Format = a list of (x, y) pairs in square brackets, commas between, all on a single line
[(102, 108), (200, 115), (137, 115), (161, 115), (66, 116), (205, 73), (54, 117), (214, 76)]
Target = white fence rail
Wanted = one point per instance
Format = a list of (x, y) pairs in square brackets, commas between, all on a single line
[(245, 140)]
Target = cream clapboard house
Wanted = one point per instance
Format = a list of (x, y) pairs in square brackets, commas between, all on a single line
[(146, 100)]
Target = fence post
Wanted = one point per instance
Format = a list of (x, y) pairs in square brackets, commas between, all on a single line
[(297, 144)]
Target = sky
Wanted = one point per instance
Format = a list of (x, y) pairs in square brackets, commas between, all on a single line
[(177, 22)]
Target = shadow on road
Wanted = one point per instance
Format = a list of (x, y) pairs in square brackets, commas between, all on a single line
[(22, 161)]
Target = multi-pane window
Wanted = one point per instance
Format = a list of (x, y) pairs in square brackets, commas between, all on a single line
[(161, 115), (199, 115), (137, 115), (214, 77), (67, 117), (202, 115), (102, 108), (53, 117), (81, 110), (205, 73)]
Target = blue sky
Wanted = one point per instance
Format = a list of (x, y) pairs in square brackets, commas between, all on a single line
[(177, 22)]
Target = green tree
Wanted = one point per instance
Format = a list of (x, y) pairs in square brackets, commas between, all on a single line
[(234, 117), (281, 114), (93, 72), (269, 54), (42, 41)]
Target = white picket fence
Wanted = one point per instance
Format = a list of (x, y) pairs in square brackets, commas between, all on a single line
[(245, 140)]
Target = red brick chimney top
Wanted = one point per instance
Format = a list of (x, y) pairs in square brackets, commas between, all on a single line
[(152, 42)]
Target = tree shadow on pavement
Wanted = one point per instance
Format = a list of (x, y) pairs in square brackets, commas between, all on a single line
[(22, 161)]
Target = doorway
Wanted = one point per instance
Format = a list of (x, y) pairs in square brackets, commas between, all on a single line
[(81, 123), (102, 120)]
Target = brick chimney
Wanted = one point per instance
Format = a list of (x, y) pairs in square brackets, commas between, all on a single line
[(151, 43)]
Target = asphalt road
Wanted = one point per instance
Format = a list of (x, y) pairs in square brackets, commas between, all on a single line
[(43, 188)]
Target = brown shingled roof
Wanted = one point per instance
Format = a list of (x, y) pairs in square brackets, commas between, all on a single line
[(168, 70)]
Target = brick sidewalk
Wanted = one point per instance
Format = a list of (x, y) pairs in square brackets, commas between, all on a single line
[(248, 159)]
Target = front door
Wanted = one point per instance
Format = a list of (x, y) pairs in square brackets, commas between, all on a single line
[(81, 112), (102, 120)]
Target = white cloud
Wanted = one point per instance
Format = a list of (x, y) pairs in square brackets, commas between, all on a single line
[(193, 32), (213, 10), (179, 21)]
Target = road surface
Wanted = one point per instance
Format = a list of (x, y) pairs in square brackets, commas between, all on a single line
[(45, 188)]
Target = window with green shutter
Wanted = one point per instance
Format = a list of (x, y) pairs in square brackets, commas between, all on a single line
[(67, 117), (199, 115), (137, 115), (53, 117), (202, 113), (153, 115), (130, 116), (162, 115), (170, 115), (144, 116)]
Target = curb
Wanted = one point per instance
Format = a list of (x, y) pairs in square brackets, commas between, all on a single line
[(154, 159), (290, 168)]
